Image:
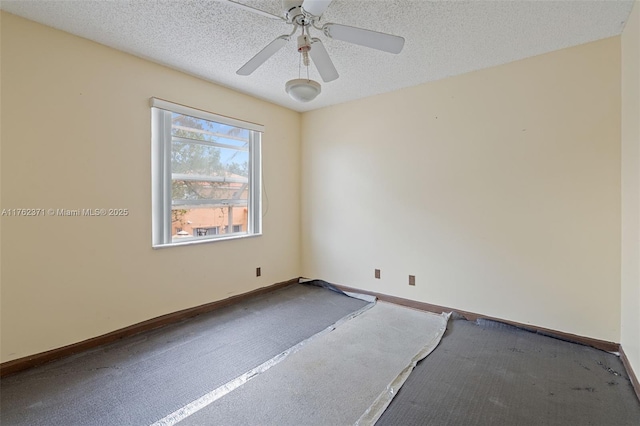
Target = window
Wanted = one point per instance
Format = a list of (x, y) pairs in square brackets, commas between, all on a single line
[(205, 176)]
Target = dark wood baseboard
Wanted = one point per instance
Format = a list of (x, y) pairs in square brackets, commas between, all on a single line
[(471, 316), (632, 375), (31, 361)]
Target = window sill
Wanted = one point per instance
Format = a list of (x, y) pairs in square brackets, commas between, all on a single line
[(205, 241)]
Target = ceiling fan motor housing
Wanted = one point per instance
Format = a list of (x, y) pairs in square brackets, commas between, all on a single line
[(292, 10)]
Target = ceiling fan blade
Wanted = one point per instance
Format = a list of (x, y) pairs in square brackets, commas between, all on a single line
[(316, 7), (263, 55), (322, 61), (373, 39), (254, 10)]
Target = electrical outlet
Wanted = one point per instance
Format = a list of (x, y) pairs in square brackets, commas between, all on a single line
[(412, 280), (377, 274), (258, 272)]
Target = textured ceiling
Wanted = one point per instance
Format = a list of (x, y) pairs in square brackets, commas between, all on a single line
[(211, 39)]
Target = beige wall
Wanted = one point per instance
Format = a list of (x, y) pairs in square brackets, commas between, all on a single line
[(499, 189), (76, 133), (630, 320)]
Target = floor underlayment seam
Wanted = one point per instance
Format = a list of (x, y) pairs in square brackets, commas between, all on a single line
[(377, 408), (230, 386)]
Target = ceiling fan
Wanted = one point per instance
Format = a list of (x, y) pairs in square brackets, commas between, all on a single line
[(305, 15)]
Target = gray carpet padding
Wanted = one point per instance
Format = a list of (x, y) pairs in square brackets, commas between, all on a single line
[(333, 379), (492, 374), (142, 379)]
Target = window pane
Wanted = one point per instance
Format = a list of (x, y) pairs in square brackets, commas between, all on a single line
[(209, 179), (200, 171), (216, 169), (192, 223), (197, 128)]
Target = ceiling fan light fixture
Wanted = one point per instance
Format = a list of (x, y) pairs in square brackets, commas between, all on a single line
[(303, 90)]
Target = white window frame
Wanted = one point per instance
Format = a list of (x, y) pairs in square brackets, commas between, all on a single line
[(161, 173)]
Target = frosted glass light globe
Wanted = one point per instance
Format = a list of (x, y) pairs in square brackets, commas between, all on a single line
[(302, 90)]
